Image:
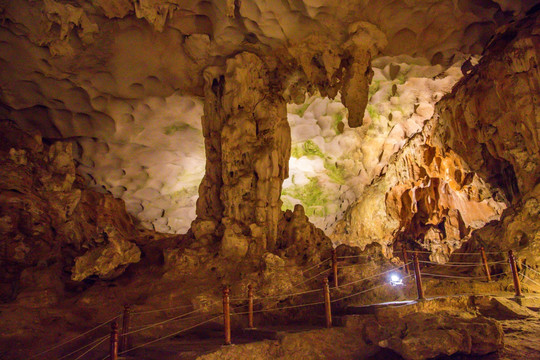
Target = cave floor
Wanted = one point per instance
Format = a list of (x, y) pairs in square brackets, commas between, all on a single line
[(521, 336)]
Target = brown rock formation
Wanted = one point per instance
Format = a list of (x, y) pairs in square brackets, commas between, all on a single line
[(48, 220), (426, 196), (491, 116), (491, 120), (247, 146)]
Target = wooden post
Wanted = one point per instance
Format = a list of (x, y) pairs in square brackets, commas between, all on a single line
[(418, 277), (125, 342), (334, 267), (405, 259), (226, 316), (250, 306), (513, 266), (484, 262), (327, 307), (113, 352)]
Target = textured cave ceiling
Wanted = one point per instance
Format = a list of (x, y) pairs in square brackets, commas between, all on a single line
[(123, 80)]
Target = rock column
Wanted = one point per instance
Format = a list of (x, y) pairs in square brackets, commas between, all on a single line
[(247, 141)]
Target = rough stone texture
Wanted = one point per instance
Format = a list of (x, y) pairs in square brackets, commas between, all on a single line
[(298, 238), (247, 139), (416, 331), (486, 128), (48, 218), (491, 120), (423, 191), (424, 336), (108, 74)]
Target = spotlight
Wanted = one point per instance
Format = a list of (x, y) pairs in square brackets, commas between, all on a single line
[(395, 280)]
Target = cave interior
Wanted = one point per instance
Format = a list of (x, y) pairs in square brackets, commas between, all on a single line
[(302, 179)]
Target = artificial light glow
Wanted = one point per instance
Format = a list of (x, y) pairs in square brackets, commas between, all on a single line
[(395, 280)]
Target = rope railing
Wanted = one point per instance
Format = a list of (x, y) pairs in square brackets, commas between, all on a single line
[(374, 276), (161, 322), (120, 345), (75, 338), (457, 253), (92, 348), (100, 341), (354, 257), (167, 336), (461, 277), (316, 265), (160, 310), (461, 264), (533, 270), (531, 280)]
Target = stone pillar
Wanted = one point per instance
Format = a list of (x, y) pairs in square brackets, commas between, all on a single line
[(248, 142)]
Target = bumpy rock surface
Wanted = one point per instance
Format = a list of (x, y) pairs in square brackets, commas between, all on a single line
[(424, 196), (248, 146), (49, 221), (491, 120), (95, 72), (477, 155)]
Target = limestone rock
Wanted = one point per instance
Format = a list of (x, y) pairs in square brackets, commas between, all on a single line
[(46, 217), (300, 239), (248, 136), (489, 120), (502, 308), (421, 191), (431, 335), (104, 261)]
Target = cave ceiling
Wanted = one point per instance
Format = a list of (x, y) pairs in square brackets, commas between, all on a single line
[(123, 79)]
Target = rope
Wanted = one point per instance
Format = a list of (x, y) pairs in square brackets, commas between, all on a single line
[(281, 308), (314, 266), (352, 256), (461, 277), (462, 264), (85, 346), (168, 336), (92, 348), (453, 276), (358, 293), (142, 327), (75, 338), (528, 278), (161, 322), (159, 310), (311, 278), (530, 268), (290, 295), (350, 265)]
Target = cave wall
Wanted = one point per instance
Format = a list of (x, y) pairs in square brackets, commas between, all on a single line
[(477, 155), (53, 228), (491, 117), (492, 120)]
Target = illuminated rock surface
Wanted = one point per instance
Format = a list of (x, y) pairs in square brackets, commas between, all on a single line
[(244, 138)]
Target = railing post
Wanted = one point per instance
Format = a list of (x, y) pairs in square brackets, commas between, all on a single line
[(484, 262), (113, 350), (405, 259), (125, 338), (327, 307), (513, 266), (418, 277), (226, 316), (250, 306), (334, 267)]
